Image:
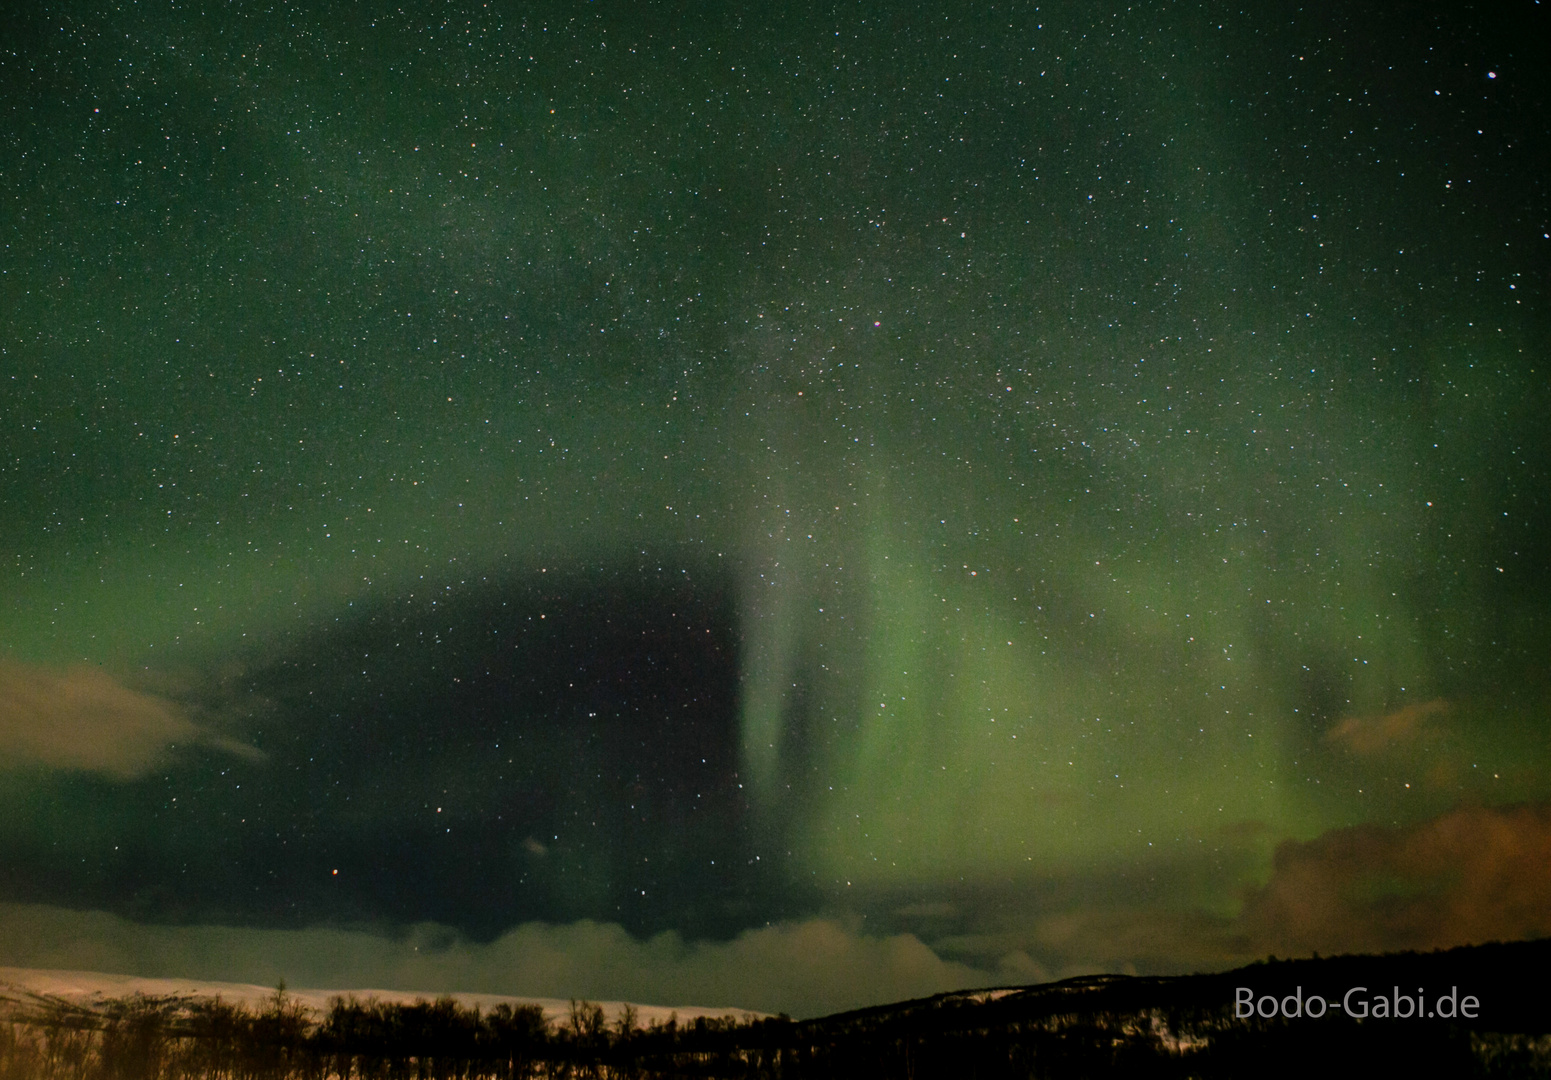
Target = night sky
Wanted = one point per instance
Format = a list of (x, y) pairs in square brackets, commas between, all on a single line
[(786, 506)]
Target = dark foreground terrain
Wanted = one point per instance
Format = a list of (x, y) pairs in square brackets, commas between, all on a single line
[(1185, 1026)]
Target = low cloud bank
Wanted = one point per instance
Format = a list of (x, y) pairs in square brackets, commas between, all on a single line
[(1472, 875), (1466, 877), (802, 968)]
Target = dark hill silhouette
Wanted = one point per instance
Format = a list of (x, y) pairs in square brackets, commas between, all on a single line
[(1186, 1025)]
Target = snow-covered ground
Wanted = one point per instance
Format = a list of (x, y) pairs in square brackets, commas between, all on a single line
[(95, 987)]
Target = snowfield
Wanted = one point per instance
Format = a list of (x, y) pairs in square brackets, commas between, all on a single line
[(96, 987)]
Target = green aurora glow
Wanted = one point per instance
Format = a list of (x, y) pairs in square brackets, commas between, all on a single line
[(1121, 439)]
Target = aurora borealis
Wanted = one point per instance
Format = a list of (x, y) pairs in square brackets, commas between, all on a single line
[(806, 506)]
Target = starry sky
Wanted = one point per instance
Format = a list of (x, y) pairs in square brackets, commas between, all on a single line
[(788, 507)]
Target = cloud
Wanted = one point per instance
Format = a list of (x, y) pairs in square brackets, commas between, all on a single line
[(82, 718), (1472, 875), (1367, 735), (1125, 938), (803, 968)]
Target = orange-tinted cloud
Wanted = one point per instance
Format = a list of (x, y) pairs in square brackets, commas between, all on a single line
[(83, 718), (1373, 734), (1472, 875)]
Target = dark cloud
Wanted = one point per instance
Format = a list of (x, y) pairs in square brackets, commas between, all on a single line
[(556, 745)]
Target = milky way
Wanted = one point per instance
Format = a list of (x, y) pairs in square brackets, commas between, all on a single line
[(1002, 492)]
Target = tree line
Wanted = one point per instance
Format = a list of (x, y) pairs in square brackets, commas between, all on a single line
[(176, 1038), (1160, 1026)]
